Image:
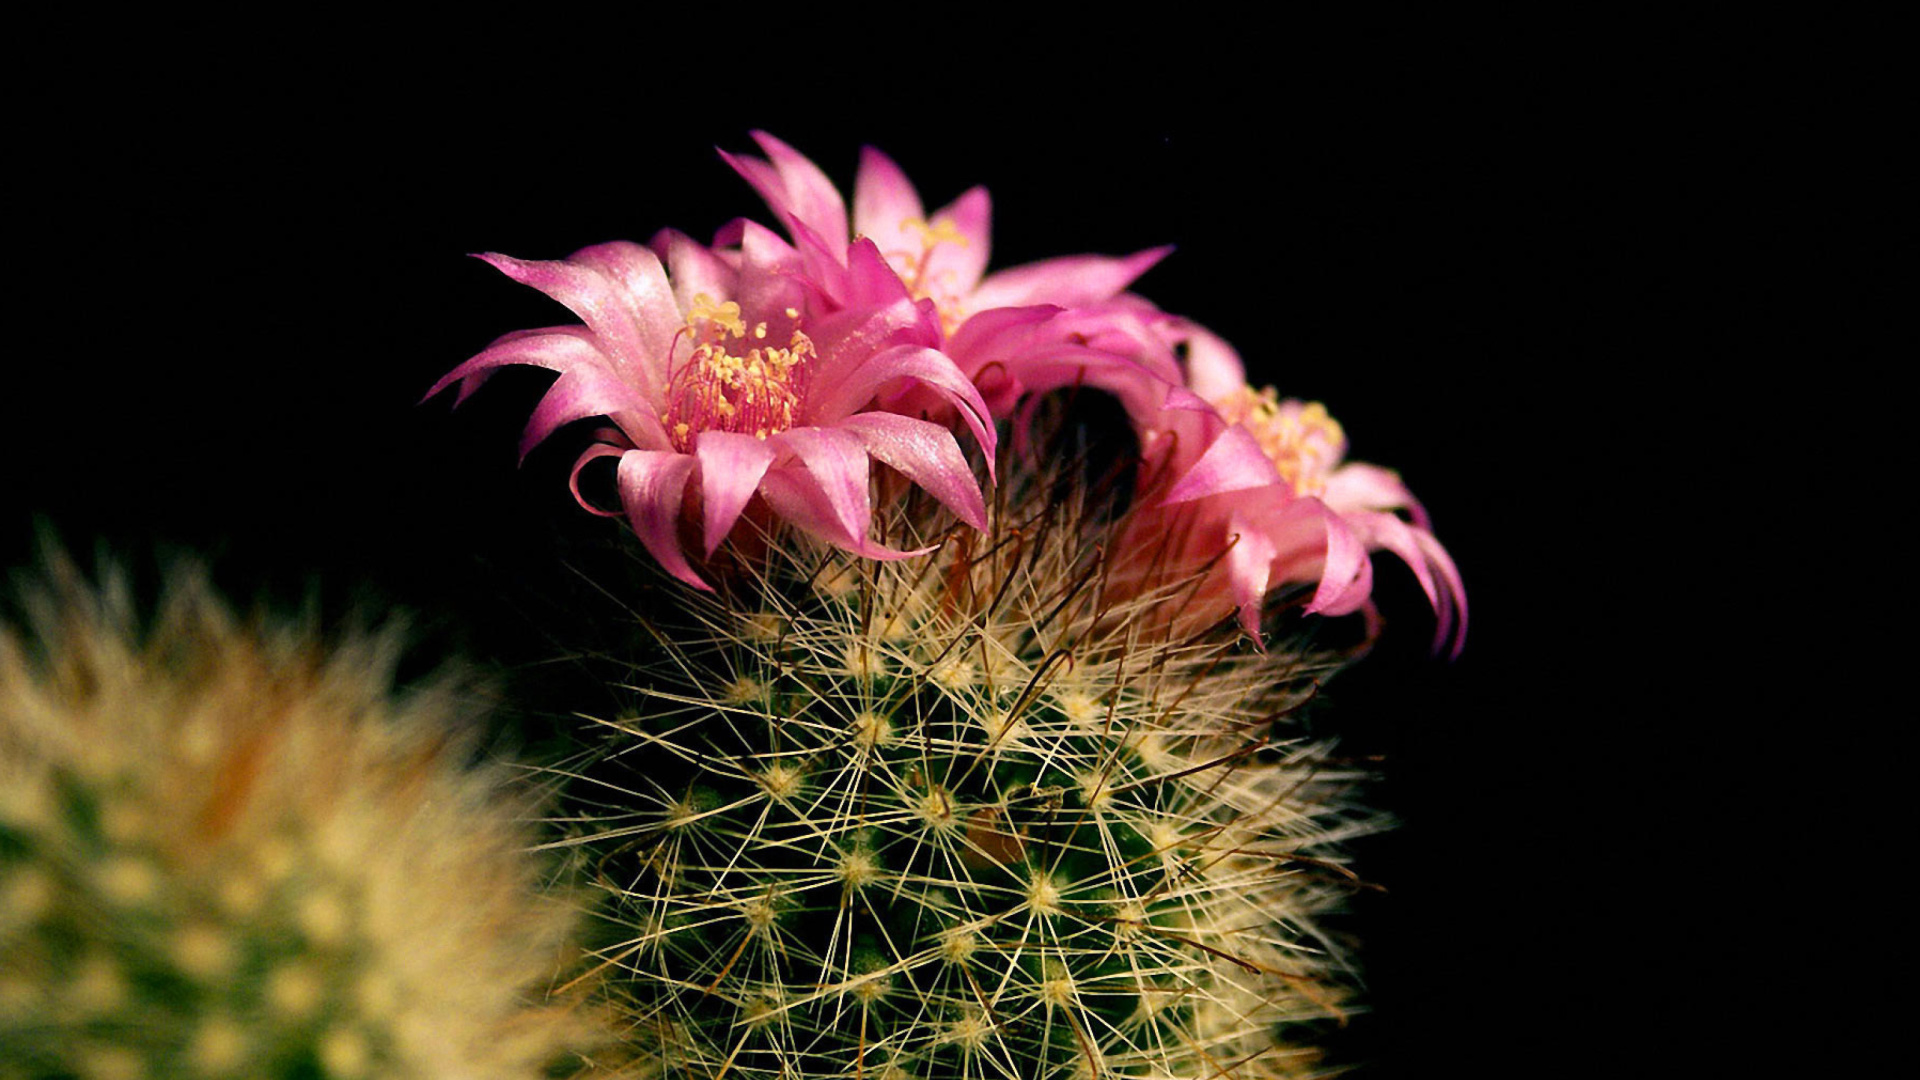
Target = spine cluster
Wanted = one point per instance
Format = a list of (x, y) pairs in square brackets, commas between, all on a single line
[(960, 817)]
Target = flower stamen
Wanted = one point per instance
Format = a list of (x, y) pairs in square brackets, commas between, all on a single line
[(914, 268), (757, 392)]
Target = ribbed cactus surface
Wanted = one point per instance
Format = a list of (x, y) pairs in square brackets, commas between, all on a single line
[(960, 817)]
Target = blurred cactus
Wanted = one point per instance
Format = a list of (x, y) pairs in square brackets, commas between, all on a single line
[(229, 854), (957, 817)]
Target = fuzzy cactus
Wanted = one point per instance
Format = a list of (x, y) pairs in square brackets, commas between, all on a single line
[(963, 817), (229, 854)]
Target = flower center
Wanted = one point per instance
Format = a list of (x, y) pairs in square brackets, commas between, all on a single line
[(1301, 440), (754, 391), (916, 269)]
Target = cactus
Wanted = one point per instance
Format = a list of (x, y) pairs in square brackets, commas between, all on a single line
[(231, 854), (963, 817)]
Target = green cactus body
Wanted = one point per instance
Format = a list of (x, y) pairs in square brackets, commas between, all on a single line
[(222, 856), (953, 818)]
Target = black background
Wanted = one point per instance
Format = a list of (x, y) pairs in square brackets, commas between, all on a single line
[(1545, 271)]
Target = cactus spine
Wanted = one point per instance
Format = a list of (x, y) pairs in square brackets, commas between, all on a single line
[(960, 817)]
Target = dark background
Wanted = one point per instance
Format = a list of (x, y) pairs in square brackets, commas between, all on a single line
[(1548, 272)]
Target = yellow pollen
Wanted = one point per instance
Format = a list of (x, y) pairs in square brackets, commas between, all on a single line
[(726, 315), (720, 387), (935, 233), (914, 268)]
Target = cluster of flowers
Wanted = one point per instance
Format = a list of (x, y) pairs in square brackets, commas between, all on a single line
[(759, 376)]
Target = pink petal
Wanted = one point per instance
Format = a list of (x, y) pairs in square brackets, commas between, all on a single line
[(1073, 281), (653, 487), (993, 333), (731, 466), (1346, 574), (959, 266), (1249, 565), (1214, 370), (634, 328), (588, 385), (772, 275), (883, 202), (1452, 611), (836, 463), (578, 394), (809, 195), (1234, 462), (590, 454), (1381, 530), (557, 348), (829, 404), (1360, 486), (846, 339), (693, 268), (871, 279), (926, 454), (800, 502)]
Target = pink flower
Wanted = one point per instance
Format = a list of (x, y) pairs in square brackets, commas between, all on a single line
[(719, 378), (1264, 481), (1016, 331)]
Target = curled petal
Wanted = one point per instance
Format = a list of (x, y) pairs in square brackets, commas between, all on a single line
[(1359, 486), (588, 384), (1249, 566), (591, 454), (653, 486), (731, 466), (1345, 572), (926, 454), (621, 293), (1452, 606), (835, 462), (578, 394), (557, 348), (794, 496), (1234, 462), (1074, 281), (932, 369)]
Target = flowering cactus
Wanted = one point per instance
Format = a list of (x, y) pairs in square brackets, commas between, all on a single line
[(222, 856), (960, 818), (1021, 807)]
